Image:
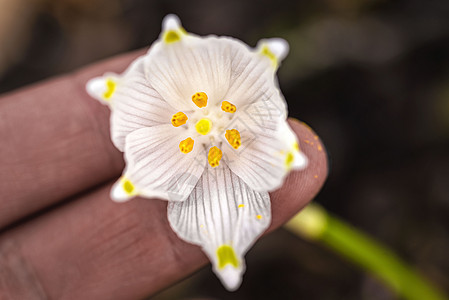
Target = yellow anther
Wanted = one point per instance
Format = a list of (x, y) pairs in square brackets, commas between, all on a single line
[(179, 119), (259, 217), (200, 99), (228, 107), (226, 256), (241, 205), (233, 137), (110, 88), (214, 156), (203, 126), (186, 145)]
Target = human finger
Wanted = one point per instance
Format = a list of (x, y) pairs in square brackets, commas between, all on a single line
[(55, 141), (94, 248)]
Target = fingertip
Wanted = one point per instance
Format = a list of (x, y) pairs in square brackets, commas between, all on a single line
[(313, 149), (301, 186)]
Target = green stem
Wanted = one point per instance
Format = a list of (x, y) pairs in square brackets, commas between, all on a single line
[(316, 224)]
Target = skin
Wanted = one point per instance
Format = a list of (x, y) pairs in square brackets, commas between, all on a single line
[(61, 237)]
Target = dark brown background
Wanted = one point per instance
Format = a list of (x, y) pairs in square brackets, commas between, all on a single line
[(371, 77)]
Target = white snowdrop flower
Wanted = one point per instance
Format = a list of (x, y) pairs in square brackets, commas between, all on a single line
[(202, 124)]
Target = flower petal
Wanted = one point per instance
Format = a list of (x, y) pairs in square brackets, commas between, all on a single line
[(294, 158), (103, 88), (180, 69), (223, 68), (172, 30), (275, 49), (267, 158), (253, 76), (134, 103), (156, 167), (225, 217), (137, 105)]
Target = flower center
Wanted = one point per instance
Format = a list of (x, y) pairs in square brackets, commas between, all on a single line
[(203, 126), (219, 115)]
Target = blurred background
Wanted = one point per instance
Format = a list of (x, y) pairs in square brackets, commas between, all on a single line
[(370, 76)]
